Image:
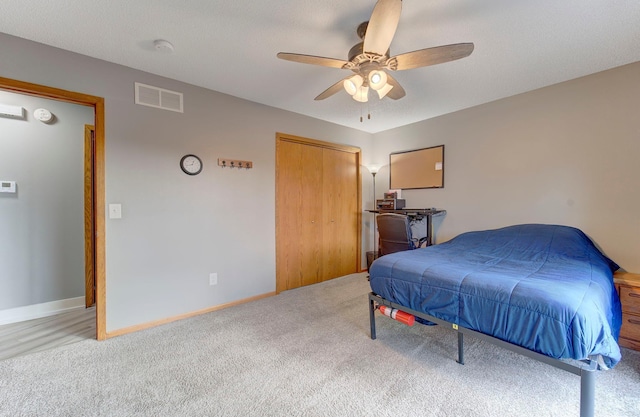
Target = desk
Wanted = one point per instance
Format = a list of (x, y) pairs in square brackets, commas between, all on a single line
[(418, 214)]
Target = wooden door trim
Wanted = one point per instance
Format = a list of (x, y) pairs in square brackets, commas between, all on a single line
[(89, 217), (97, 103), (280, 137), (320, 143)]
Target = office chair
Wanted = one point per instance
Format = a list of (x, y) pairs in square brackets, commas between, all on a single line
[(395, 234)]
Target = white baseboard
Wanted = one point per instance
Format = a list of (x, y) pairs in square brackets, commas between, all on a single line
[(36, 311)]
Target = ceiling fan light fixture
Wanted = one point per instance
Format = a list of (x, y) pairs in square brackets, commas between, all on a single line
[(371, 62), (362, 95), (353, 84), (377, 79), (382, 92)]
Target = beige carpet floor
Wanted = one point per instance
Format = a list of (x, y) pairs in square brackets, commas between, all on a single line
[(305, 352)]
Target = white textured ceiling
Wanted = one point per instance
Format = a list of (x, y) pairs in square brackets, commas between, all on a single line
[(230, 46)]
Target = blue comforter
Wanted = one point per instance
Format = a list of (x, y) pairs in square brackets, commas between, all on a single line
[(544, 287)]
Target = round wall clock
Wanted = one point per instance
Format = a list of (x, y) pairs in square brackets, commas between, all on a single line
[(191, 164)]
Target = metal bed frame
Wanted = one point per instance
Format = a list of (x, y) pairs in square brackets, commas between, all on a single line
[(585, 369)]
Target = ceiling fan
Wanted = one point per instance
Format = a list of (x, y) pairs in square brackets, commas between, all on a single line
[(370, 59)]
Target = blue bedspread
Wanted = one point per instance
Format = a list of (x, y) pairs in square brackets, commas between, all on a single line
[(544, 287)]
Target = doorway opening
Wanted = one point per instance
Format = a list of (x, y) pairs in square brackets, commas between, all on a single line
[(95, 220)]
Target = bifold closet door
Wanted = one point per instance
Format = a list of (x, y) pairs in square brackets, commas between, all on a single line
[(340, 213), (299, 216), (317, 211)]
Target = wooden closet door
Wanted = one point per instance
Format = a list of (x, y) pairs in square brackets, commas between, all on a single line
[(318, 204), (340, 213), (299, 215)]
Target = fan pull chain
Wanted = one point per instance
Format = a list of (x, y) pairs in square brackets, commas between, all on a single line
[(362, 112)]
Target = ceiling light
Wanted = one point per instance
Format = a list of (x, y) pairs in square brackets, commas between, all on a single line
[(384, 90), (362, 95), (377, 79), (352, 84)]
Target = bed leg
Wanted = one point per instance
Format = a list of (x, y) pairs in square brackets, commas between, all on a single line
[(460, 348), (587, 392), (372, 318)]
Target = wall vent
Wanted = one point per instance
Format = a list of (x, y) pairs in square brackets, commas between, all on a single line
[(147, 95)]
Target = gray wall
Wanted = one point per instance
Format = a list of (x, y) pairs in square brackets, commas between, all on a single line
[(42, 225), (177, 229), (565, 154)]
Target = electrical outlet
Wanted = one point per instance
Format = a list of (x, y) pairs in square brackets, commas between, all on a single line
[(213, 278)]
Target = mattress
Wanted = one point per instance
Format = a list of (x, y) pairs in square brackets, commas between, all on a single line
[(543, 287)]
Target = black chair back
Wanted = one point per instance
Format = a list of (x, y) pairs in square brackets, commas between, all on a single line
[(395, 233)]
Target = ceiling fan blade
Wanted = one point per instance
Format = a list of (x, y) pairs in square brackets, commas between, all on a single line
[(433, 56), (382, 26), (331, 90), (313, 60), (397, 92)]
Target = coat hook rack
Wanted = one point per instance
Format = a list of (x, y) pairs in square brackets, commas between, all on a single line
[(234, 163)]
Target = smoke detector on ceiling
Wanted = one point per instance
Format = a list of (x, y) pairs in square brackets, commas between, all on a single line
[(163, 46)]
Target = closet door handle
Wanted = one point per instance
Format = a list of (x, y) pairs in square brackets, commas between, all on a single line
[(632, 294), (632, 321)]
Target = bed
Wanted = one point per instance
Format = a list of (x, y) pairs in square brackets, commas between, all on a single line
[(544, 291)]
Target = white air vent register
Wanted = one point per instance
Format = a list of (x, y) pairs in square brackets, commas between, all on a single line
[(147, 95)]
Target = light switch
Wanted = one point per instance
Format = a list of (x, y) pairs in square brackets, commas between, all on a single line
[(115, 211)]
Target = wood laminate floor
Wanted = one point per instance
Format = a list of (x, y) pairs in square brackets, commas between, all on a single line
[(31, 336)]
